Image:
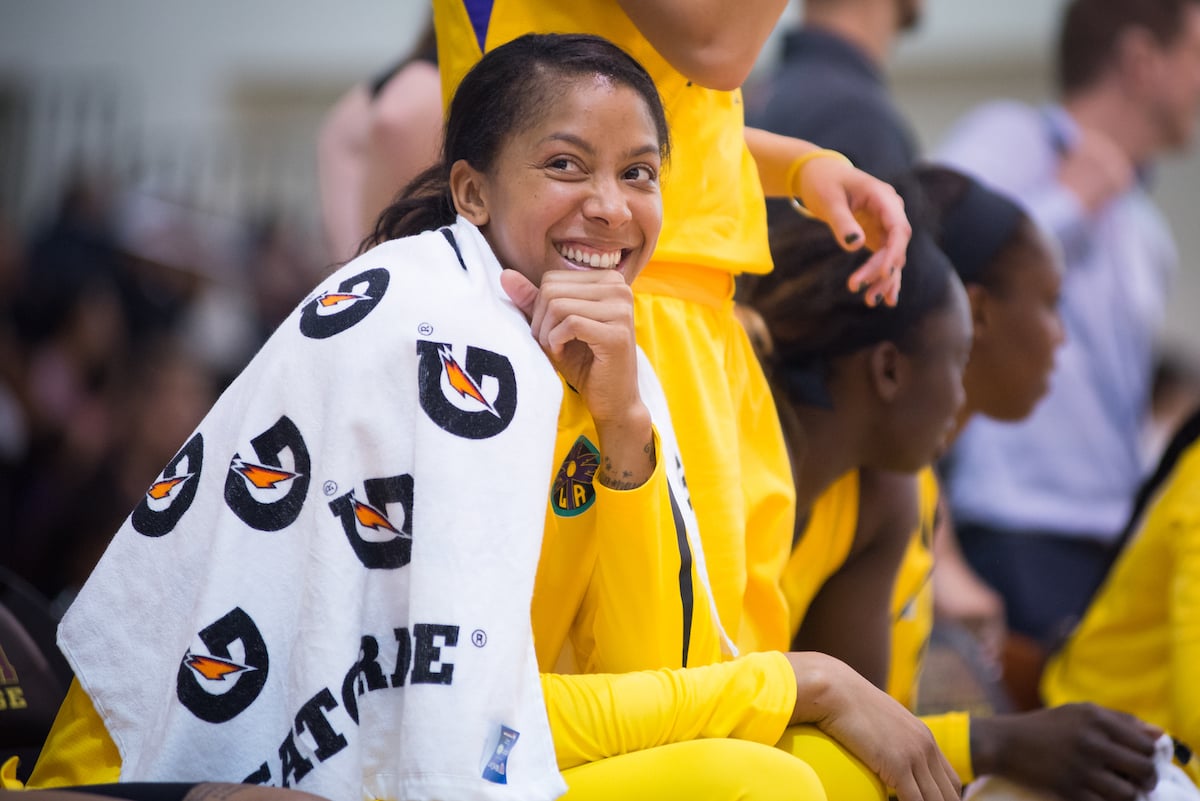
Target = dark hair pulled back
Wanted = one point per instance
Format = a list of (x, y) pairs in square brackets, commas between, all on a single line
[(814, 319), (507, 91)]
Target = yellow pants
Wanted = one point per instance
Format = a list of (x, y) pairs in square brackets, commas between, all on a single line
[(805, 766)]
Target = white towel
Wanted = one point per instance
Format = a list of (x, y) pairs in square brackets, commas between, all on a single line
[(328, 587)]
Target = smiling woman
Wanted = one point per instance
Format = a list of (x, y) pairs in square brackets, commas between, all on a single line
[(335, 464)]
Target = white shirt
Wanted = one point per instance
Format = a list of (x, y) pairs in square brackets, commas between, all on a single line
[(1074, 465)]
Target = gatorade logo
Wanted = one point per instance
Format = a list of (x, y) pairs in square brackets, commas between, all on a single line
[(475, 398), (379, 529), (216, 682), (172, 494), (332, 313), (260, 489)]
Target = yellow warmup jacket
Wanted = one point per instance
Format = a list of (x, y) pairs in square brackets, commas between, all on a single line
[(912, 599), (824, 546), (1137, 648)]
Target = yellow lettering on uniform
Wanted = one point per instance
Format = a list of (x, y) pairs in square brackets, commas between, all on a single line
[(580, 495), (562, 498), (3, 703), (16, 697)]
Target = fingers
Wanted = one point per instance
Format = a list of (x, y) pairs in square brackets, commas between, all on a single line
[(584, 321), (907, 789), (1129, 731), (861, 210), (840, 219), (521, 291), (564, 298), (935, 779), (948, 781), (926, 783), (1113, 787), (878, 283)]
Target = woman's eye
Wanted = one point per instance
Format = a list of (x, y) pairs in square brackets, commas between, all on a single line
[(640, 173), (560, 163)]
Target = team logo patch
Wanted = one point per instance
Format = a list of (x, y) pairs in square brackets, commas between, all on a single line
[(380, 528), (332, 313), (475, 398), (219, 679), (572, 492), (264, 492), (172, 494)]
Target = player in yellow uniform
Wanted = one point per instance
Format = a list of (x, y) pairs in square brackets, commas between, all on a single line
[(1138, 644), (839, 579), (646, 729), (714, 229), (912, 598), (867, 397)]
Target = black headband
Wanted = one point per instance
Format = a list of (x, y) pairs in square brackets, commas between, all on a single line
[(976, 228)]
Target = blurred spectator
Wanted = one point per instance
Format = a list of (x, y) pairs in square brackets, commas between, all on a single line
[(830, 87), (15, 410), (1040, 502), (377, 138), (77, 496)]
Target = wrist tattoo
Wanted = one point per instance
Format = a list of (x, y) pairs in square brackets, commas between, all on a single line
[(616, 483)]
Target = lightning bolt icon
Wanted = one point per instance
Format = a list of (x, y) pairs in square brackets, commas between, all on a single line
[(370, 517), (262, 477), (212, 668), (461, 382), (162, 488), (331, 299)]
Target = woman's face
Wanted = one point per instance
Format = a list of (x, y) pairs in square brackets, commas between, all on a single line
[(578, 189), (1020, 331), (923, 414)]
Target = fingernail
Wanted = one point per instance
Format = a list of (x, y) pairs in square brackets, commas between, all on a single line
[(851, 238), (878, 297), (892, 270)]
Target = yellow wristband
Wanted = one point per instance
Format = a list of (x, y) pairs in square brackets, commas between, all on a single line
[(794, 172)]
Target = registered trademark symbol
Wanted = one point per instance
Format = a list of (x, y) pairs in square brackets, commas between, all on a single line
[(329, 487), (478, 638), (424, 329)]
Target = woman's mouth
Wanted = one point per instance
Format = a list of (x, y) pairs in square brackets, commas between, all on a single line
[(593, 259)]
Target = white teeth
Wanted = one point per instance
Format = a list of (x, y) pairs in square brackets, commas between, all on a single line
[(595, 260)]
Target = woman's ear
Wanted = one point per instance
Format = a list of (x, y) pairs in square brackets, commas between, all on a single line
[(469, 194), (888, 369)]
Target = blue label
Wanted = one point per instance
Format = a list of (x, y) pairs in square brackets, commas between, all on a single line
[(497, 766)]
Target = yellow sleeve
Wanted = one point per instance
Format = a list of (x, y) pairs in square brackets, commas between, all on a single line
[(770, 504), (645, 607), (1184, 621), (616, 579), (78, 749), (952, 731), (602, 715)]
